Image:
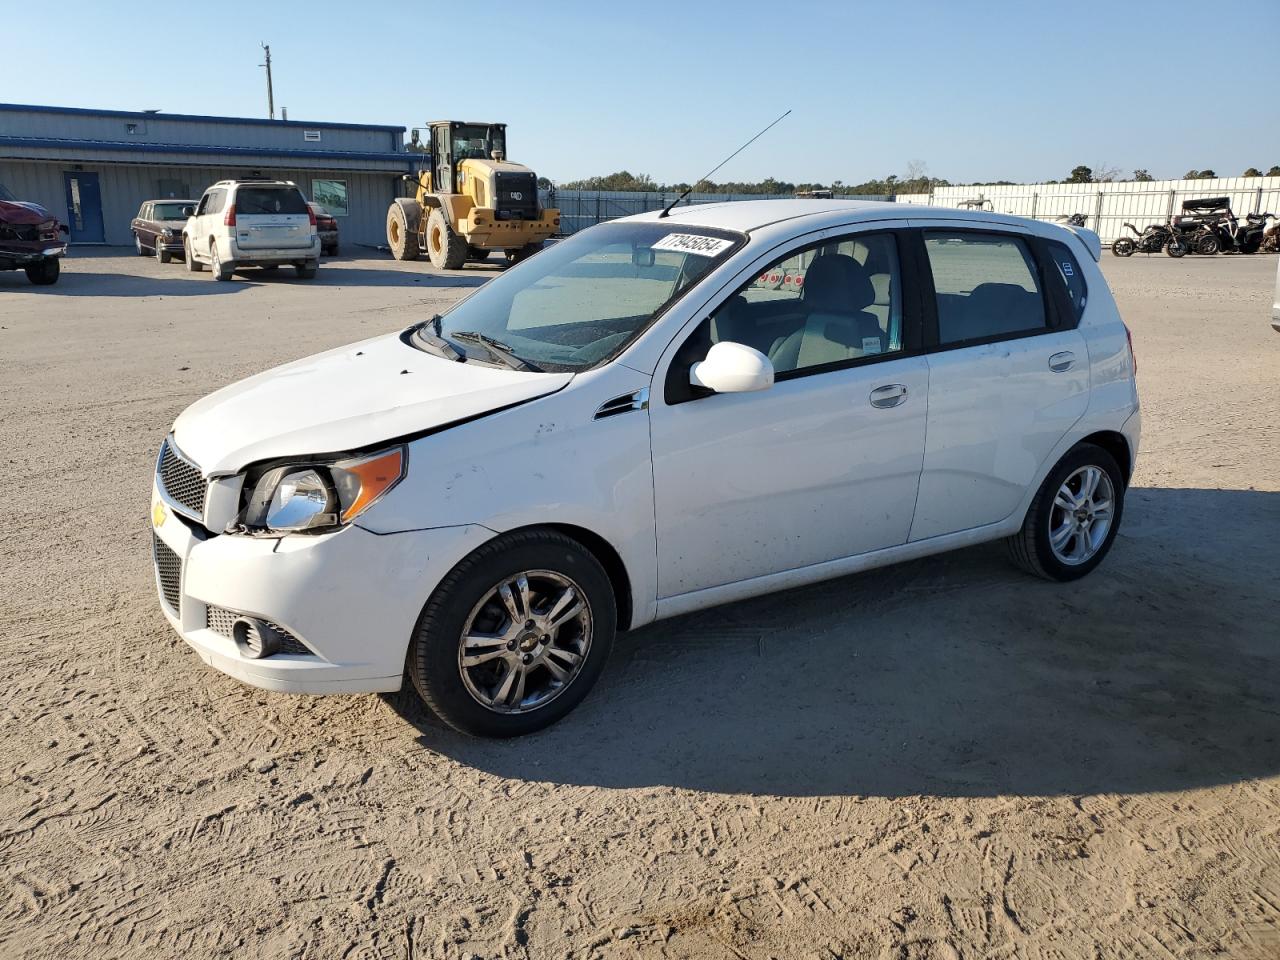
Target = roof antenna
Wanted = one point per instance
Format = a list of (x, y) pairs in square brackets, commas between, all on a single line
[(667, 210)]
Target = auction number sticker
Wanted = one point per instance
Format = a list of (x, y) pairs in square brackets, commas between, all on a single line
[(692, 243)]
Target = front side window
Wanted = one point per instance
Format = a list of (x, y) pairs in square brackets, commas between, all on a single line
[(332, 195), (581, 301), (830, 302), (985, 284)]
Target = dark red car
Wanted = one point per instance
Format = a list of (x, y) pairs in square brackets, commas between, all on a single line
[(30, 239), (327, 227)]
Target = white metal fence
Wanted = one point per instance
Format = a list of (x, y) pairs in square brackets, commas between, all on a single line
[(1108, 206)]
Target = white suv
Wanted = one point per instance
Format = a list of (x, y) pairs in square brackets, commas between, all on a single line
[(251, 223), (656, 415)]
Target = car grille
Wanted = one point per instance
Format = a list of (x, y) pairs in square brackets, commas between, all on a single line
[(181, 480), (168, 572), (219, 620), (19, 231)]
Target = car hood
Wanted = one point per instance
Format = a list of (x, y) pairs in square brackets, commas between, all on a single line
[(19, 211), (346, 399)]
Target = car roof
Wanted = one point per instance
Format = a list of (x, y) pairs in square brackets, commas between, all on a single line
[(746, 216), (168, 200)]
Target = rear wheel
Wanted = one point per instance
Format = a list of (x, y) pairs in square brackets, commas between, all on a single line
[(1073, 519), (220, 270), (307, 270), (402, 228), (1177, 247), (1124, 247), (137, 245), (447, 250), (515, 635), (45, 273), (1208, 245)]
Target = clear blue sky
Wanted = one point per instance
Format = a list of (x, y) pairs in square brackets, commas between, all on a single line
[(1003, 90)]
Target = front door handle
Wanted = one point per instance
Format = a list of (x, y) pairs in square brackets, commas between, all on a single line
[(889, 395), (1062, 361)]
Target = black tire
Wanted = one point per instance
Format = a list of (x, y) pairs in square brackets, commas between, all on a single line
[(403, 217), (1207, 245), (447, 250), (1176, 248), (45, 273), (331, 251), (308, 270), (163, 255), (1030, 548), (433, 660), (193, 265), (1124, 247)]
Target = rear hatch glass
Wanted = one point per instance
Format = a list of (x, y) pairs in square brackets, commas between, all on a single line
[(271, 217)]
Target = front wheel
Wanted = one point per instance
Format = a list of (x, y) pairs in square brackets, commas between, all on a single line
[(1176, 248), (163, 255), (45, 273), (1124, 247), (515, 636), (193, 265), (1073, 519)]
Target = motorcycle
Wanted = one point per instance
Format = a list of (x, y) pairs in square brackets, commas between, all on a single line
[(1271, 235), (1151, 240)]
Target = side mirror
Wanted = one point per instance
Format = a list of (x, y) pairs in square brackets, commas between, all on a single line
[(732, 368), (642, 256), (188, 211)]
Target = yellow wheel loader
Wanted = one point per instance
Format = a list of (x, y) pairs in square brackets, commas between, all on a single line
[(469, 201)]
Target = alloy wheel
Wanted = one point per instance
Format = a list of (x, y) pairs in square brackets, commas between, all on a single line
[(525, 642), (1081, 516)]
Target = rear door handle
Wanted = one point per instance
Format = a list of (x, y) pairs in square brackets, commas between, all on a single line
[(1062, 361), (890, 395)]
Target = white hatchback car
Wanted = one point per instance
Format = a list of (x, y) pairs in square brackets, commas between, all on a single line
[(251, 223), (653, 416)]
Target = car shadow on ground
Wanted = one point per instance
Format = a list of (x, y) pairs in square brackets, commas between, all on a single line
[(954, 675), (73, 284)]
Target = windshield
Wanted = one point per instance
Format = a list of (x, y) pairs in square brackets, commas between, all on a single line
[(477, 141), (169, 211), (579, 302)]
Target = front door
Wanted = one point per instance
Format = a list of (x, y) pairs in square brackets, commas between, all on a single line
[(84, 207), (822, 465)]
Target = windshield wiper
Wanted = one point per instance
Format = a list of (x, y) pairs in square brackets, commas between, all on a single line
[(497, 349), (437, 342)]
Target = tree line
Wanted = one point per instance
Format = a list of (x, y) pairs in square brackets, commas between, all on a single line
[(916, 180)]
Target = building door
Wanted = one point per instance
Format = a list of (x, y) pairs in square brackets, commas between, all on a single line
[(84, 208)]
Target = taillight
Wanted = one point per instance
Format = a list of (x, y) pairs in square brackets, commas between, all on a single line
[(311, 214), (230, 219), (1132, 356)]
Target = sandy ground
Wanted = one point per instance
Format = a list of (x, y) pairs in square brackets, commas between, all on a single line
[(943, 759)]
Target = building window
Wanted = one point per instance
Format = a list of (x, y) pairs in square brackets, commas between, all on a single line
[(311, 136), (330, 194)]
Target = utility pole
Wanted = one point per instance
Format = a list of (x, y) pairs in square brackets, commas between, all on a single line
[(271, 102)]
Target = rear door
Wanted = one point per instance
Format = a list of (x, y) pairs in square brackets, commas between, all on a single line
[(270, 217), (1008, 374)]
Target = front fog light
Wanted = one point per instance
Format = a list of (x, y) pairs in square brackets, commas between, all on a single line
[(302, 499)]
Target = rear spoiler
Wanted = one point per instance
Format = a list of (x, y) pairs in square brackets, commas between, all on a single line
[(1091, 241)]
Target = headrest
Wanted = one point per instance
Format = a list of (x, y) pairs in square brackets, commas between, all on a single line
[(837, 283)]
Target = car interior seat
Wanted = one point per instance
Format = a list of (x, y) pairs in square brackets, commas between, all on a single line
[(837, 292)]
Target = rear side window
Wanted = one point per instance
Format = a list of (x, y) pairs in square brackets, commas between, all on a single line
[(251, 200), (1067, 268), (985, 284)]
